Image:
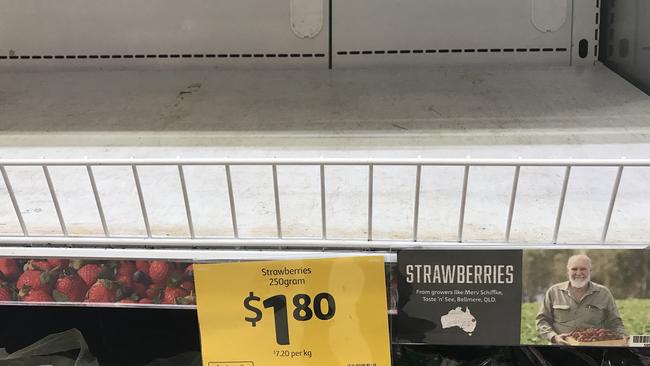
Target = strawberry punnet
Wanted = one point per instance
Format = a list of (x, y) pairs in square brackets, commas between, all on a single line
[(595, 335), (9, 268), (101, 291), (89, 273), (159, 271)]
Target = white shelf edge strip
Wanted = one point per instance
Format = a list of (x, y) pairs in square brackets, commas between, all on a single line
[(207, 255), (331, 161), (196, 255)]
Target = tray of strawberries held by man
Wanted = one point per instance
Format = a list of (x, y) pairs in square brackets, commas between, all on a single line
[(599, 337)]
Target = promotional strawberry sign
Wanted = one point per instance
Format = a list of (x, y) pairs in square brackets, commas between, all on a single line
[(563, 297)]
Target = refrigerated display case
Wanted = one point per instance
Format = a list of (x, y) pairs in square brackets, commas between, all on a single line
[(243, 130)]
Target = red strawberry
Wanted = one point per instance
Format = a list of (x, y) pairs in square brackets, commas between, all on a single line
[(145, 301), (101, 291), (142, 266), (125, 281), (90, 273), (125, 286), (70, 288), (8, 268), (188, 285), (34, 280), (127, 301), (140, 290), (6, 293), (38, 265), (126, 268), (38, 296), (158, 271), (61, 263), (172, 293), (153, 292)]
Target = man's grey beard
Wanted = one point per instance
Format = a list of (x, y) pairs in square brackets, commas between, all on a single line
[(579, 282)]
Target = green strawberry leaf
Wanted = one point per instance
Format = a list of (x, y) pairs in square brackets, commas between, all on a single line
[(24, 291), (60, 296), (174, 279), (76, 263), (107, 283), (55, 273), (46, 277), (187, 300), (107, 273), (142, 278)]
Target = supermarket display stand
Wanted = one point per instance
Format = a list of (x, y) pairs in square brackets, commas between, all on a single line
[(277, 92)]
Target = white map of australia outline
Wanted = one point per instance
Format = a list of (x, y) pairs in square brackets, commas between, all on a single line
[(459, 318)]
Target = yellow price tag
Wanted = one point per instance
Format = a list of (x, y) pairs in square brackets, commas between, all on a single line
[(329, 312)]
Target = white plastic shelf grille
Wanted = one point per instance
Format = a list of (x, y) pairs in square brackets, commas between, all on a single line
[(107, 237)]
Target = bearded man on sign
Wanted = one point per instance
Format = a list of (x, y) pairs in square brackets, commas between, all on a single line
[(577, 304)]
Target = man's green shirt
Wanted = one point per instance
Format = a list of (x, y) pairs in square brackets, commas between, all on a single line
[(561, 312)]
